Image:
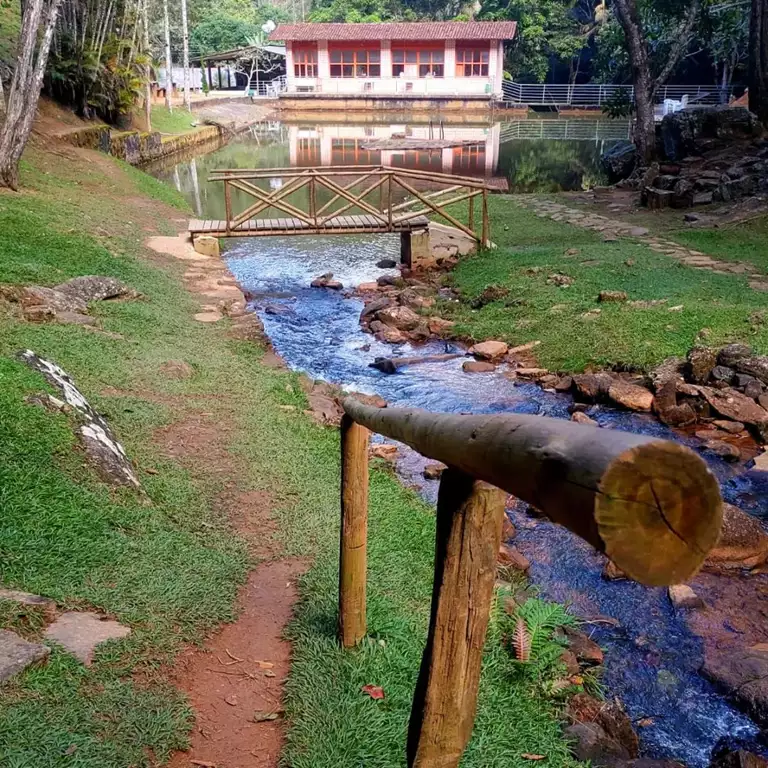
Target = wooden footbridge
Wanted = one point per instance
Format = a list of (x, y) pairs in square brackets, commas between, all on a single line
[(343, 200)]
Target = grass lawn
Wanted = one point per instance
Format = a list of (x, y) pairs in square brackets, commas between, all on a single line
[(171, 569), (178, 120), (530, 249)]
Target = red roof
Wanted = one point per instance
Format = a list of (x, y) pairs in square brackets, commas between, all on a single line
[(417, 30)]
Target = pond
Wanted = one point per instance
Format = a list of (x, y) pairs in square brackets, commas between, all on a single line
[(652, 657)]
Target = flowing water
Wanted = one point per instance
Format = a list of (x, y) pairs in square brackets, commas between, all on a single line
[(652, 658)]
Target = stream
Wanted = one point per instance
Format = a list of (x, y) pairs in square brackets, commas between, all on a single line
[(651, 656)]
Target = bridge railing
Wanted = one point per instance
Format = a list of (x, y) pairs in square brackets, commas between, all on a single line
[(650, 505), (377, 200), (596, 94)]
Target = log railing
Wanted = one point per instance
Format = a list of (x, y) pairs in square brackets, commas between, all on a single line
[(371, 190), (650, 505)]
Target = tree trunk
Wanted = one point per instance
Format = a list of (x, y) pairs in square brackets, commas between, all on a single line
[(147, 66), (25, 86), (758, 60), (168, 61), (185, 53)]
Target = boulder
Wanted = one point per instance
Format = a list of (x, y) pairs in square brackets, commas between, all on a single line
[(95, 434), (742, 674), (754, 366), (732, 354), (688, 131), (737, 407), (721, 373), (511, 557), (386, 264), (206, 245), (701, 361), (96, 288), (489, 350), (722, 449), (385, 451), (582, 418), (590, 742), (592, 387), (682, 596), (440, 327), (587, 651), (612, 296), (478, 366), (667, 409), (631, 396), (671, 369), (619, 161), (16, 654), (402, 318), (433, 471), (81, 633), (732, 427), (372, 307), (489, 294), (738, 759), (742, 543), (603, 732)]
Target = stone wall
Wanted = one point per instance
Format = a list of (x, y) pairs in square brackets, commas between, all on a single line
[(136, 147)]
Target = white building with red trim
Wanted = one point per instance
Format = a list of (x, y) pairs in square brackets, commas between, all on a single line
[(449, 59)]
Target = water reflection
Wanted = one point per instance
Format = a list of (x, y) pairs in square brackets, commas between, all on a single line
[(533, 155)]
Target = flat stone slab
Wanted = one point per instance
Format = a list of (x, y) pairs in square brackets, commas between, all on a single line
[(26, 598), (16, 654), (80, 633)]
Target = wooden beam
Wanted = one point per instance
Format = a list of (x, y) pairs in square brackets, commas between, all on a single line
[(346, 188), (272, 202), (260, 206), (469, 519), (456, 223), (366, 191), (486, 236), (354, 532), (356, 200), (430, 196), (652, 506), (438, 206)]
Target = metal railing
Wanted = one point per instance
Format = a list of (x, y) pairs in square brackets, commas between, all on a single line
[(565, 130), (270, 89), (596, 94), (650, 505)]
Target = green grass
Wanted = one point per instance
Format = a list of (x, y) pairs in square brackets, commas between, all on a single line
[(719, 307), (10, 23), (740, 242), (171, 569), (178, 120)]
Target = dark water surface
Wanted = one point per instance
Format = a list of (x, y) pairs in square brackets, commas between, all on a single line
[(652, 658)]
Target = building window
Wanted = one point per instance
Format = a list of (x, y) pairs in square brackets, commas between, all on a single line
[(305, 63), (472, 62), (355, 63), (429, 63), (469, 160)]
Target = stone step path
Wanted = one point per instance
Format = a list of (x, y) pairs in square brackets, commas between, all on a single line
[(77, 632), (613, 229)]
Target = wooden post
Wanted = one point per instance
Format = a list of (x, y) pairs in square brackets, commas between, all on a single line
[(354, 531), (471, 221), (312, 201), (227, 204), (389, 200), (486, 236), (405, 248), (469, 518)]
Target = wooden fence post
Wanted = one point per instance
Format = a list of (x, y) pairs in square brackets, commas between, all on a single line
[(227, 204), (486, 236), (469, 518), (471, 222), (354, 531)]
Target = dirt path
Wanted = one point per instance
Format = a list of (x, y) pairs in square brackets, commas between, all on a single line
[(612, 229), (234, 683)]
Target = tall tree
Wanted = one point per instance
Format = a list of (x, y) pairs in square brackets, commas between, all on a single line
[(38, 22), (168, 61), (185, 52), (645, 81), (758, 60), (148, 65)]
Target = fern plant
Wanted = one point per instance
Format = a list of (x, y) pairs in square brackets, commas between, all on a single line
[(536, 647)]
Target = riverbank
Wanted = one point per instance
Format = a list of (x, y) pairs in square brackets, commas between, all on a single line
[(235, 478)]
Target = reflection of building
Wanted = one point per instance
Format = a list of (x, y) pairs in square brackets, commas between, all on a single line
[(429, 59), (352, 145)]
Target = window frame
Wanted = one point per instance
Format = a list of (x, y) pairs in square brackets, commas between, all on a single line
[(355, 63), (305, 63), (473, 62), (431, 58)]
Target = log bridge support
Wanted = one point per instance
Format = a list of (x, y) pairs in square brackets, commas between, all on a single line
[(650, 505)]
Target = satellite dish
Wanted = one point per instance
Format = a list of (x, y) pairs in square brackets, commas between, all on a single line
[(268, 27)]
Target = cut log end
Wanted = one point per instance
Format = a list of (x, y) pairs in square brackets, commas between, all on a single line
[(658, 498)]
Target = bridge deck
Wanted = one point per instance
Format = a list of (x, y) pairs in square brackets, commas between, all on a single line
[(340, 225)]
